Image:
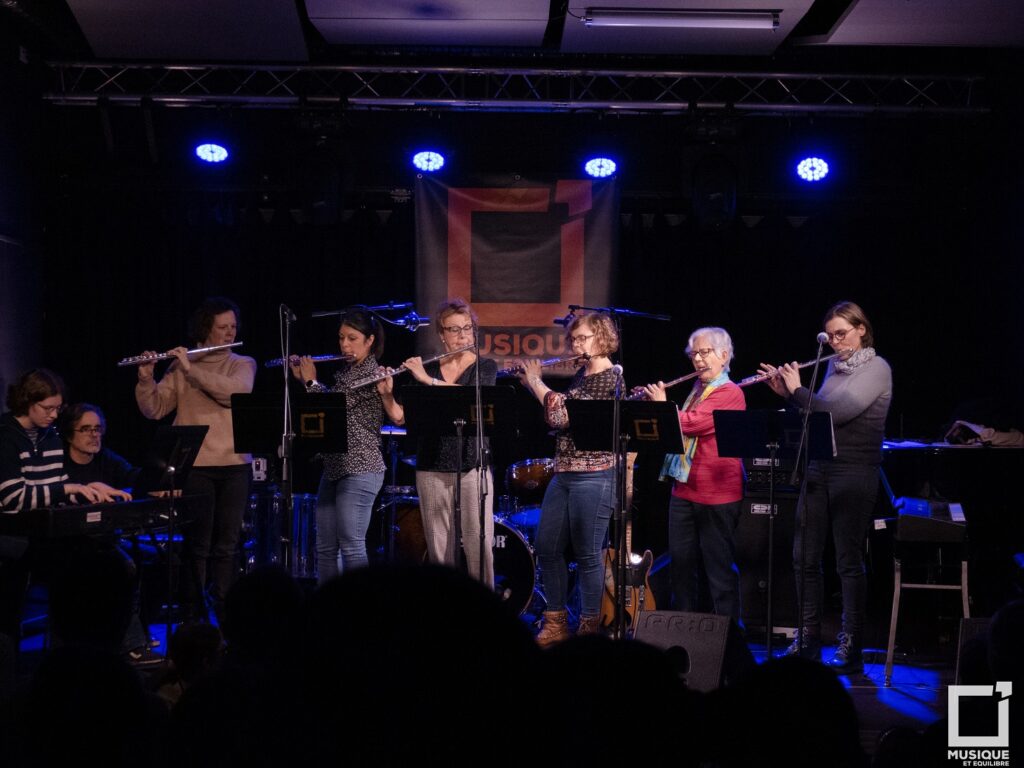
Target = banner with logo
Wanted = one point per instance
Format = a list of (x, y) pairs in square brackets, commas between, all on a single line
[(520, 253)]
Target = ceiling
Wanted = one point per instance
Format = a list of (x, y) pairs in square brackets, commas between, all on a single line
[(344, 31)]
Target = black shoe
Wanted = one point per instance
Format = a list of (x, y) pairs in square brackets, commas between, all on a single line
[(806, 645), (849, 656)]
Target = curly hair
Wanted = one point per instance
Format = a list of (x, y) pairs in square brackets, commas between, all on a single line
[(606, 337)]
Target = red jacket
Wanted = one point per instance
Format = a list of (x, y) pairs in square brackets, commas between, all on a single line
[(713, 479)]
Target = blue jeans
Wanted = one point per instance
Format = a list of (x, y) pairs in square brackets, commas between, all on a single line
[(704, 531), (840, 496), (576, 508), (343, 509)]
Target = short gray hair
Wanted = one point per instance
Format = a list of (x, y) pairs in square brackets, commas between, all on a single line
[(720, 340)]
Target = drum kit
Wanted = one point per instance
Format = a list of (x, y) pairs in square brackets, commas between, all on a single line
[(515, 526)]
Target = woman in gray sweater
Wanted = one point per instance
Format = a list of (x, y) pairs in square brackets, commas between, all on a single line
[(840, 494)]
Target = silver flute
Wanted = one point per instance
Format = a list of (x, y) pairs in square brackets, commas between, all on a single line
[(146, 359), (277, 362), (402, 369)]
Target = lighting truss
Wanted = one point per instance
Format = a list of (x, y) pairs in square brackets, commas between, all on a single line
[(513, 89)]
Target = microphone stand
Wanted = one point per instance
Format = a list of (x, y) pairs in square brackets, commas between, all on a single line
[(800, 468), (615, 313), (287, 439), (481, 482), (619, 513)]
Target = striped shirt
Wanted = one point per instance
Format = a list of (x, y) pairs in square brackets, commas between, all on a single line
[(31, 472)]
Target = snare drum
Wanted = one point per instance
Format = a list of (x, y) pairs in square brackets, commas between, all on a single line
[(515, 573), (527, 480)]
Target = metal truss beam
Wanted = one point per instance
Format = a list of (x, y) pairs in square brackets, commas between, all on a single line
[(514, 90)]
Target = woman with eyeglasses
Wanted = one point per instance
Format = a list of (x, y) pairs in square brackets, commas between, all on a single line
[(350, 480), (438, 460), (839, 494), (707, 489), (87, 461), (577, 504)]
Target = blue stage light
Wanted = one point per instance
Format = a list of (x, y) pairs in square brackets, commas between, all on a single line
[(428, 161), (812, 169), (211, 153), (599, 167)]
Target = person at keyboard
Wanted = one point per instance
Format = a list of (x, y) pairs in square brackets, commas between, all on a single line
[(86, 461)]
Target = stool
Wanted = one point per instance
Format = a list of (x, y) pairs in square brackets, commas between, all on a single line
[(899, 585)]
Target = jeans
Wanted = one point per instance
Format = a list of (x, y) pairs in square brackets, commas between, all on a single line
[(211, 539), (576, 509), (841, 496), (704, 531), (343, 509)]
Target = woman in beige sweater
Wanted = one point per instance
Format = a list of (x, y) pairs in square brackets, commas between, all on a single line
[(199, 389)]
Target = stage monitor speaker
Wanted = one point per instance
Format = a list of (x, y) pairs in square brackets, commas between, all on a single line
[(706, 649), (752, 561), (971, 653)]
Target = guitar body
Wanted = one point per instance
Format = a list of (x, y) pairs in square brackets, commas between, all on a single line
[(639, 596)]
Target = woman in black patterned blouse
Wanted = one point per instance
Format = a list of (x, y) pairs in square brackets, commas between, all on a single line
[(351, 480), (578, 502)]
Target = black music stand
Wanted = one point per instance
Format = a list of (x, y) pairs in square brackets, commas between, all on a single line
[(165, 467), (432, 412), (746, 435), (319, 424), (644, 426)]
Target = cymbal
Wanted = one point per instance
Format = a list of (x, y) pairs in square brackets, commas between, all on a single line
[(388, 429)]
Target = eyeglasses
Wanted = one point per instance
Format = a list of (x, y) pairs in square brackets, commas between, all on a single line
[(703, 353), (839, 335), (49, 409), (454, 329), (91, 429), (581, 338)]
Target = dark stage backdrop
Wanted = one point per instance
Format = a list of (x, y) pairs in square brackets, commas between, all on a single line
[(922, 226)]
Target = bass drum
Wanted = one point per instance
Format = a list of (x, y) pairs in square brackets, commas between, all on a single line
[(515, 573)]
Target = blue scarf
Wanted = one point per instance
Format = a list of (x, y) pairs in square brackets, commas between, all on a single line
[(677, 466)]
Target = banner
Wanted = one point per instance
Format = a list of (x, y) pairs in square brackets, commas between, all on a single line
[(520, 254)]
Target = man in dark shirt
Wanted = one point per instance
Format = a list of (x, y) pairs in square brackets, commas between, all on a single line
[(87, 462)]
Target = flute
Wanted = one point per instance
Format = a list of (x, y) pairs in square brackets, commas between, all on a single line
[(402, 369), (515, 370), (757, 378), (146, 359), (639, 394), (277, 362)]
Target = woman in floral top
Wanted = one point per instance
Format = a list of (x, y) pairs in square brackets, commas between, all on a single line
[(351, 480), (578, 503)]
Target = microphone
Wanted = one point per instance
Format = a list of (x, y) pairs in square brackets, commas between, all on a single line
[(823, 338), (617, 369), (288, 314), (566, 321), (412, 321)]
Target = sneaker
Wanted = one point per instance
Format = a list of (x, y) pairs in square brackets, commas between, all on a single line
[(849, 656)]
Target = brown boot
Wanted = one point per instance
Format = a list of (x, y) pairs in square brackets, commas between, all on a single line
[(555, 629), (589, 625)]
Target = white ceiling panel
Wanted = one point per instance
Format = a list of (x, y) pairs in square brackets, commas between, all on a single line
[(192, 30), (443, 22), (981, 23)]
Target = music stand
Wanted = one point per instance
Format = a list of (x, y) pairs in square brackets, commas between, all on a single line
[(645, 426), (746, 435), (432, 412), (319, 423), (166, 464)]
